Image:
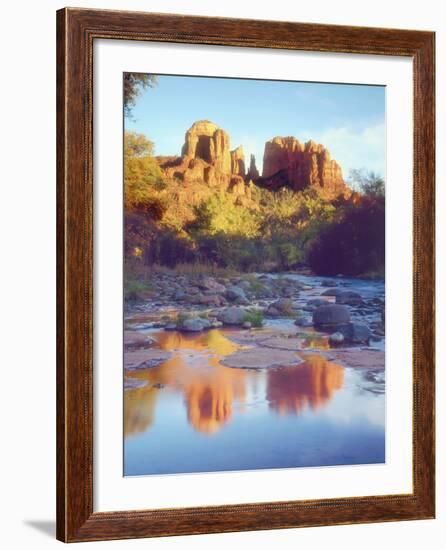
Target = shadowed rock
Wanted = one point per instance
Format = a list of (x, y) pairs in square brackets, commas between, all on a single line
[(349, 297), (289, 163), (331, 317)]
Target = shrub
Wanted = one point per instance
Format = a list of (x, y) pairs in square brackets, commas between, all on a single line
[(255, 317), (255, 285), (136, 290), (354, 245)]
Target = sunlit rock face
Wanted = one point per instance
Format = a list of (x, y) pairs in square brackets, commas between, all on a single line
[(289, 163), (290, 390), (206, 156), (238, 161)]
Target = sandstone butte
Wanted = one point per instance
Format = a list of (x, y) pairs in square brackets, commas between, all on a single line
[(207, 156)]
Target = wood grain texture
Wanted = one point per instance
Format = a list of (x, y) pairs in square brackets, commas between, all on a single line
[(76, 31)]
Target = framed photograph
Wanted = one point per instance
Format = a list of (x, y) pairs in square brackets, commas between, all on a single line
[(245, 275)]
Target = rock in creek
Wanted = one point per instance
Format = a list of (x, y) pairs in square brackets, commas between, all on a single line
[(314, 303), (349, 297), (261, 358), (356, 333), (145, 359), (283, 306), (336, 338), (235, 294), (136, 340), (209, 283), (303, 322), (332, 292), (360, 358), (331, 317), (232, 316), (194, 325)]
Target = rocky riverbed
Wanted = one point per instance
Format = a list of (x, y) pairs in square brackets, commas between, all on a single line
[(258, 371), (288, 313)]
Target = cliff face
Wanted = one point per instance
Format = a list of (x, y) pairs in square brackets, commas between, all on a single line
[(253, 173), (288, 162), (206, 156), (238, 161)]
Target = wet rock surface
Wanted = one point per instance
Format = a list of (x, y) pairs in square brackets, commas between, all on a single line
[(145, 359), (299, 311), (261, 358)]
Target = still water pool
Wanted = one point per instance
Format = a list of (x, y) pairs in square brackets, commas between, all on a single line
[(192, 414)]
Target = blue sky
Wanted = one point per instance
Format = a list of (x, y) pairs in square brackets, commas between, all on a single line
[(348, 119)]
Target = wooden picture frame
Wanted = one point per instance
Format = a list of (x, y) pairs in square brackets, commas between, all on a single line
[(77, 29)]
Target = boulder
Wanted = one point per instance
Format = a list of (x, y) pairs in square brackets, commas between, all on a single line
[(235, 293), (303, 322), (331, 316), (313, 304), (336, 338), (272, 312), (209, 283), (349, 297), (284, 306), (332, 292), (213, 300), (356, 333), (232, 316), (196, 324)]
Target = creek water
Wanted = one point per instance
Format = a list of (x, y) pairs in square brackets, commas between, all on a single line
[(192, 414)]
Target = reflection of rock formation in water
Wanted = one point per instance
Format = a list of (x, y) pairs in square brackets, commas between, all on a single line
[(139, 409), (209, 389), (209, 403), (312, 384), (209, 395)]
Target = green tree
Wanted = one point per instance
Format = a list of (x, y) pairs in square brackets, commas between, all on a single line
[(142, 175), (219, 214), (134, 84), (137, 145), (367, 182)]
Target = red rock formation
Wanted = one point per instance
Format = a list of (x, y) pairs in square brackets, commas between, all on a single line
[(238, 161), (288, 162), (206, 156), (253, 173), (206, 141)]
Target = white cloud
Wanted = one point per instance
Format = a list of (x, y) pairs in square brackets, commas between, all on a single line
[(365, 148)]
